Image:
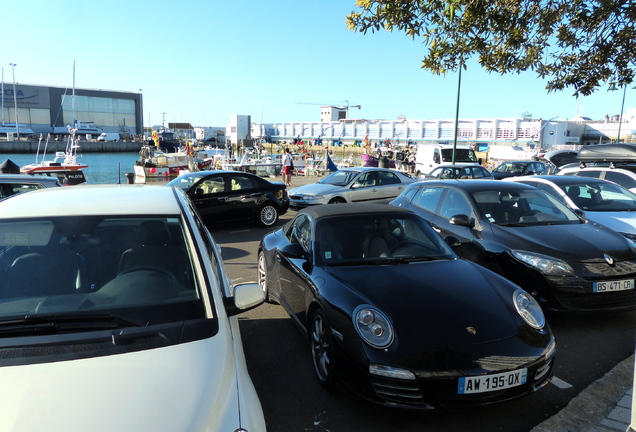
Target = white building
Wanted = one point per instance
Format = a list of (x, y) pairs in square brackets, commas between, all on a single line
[(519, 132), (238, 129)]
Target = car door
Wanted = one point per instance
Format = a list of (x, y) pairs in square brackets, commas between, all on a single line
[(243, 195), (389, 185), (294, 281), (365, 187), (210, 198)]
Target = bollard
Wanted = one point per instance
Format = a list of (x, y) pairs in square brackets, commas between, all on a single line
[(130, 177), (383, 162)]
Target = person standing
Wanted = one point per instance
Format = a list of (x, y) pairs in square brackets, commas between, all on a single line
[(288, 167)]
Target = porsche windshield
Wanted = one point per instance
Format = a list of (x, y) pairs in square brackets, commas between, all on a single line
[(133, 267), (374, 238)]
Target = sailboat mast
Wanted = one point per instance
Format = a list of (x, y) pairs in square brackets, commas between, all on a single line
[(73, 99), (3, 96)]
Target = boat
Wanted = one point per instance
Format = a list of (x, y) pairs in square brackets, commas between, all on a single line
[(64, 165), (262, 165), (373, 161), (155, 163), (166, 140), (8, 128), (84, 128)]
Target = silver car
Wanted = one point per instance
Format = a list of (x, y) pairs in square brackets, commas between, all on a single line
[(359, 184)]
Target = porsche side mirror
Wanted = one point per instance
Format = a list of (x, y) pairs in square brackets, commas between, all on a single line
[(462, 220), (293, 250)]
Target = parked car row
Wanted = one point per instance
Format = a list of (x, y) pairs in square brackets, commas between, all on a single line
[(434, 301), (383, 296)]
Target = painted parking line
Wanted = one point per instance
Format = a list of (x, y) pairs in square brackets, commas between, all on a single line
[(560, 383)]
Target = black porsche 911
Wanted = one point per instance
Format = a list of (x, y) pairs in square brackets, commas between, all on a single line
[(393, 314), (234, 195)]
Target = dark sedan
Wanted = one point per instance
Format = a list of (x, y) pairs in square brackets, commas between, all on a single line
[(532, 239), (393, 315), (12, 184), (518, 168), (234, 195)]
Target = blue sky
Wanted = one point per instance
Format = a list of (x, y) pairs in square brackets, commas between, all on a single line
[(200, 61)]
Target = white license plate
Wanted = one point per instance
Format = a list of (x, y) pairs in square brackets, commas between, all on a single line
[(621, 285), (486, 383)]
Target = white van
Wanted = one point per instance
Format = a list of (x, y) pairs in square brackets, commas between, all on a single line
[(430, 156), (109, 136)]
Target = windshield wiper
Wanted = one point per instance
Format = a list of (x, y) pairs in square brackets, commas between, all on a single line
[(53, 323), (406, 260)]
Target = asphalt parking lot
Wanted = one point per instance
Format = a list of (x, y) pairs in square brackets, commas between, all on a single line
[(588, 347)]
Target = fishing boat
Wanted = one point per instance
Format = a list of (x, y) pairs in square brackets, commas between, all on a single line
[(64, 165), (154, 163), (262, 165), (373, 161)]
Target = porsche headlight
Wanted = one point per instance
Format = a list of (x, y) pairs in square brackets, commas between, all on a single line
[(529, 309), (545, 264), (373, 326)]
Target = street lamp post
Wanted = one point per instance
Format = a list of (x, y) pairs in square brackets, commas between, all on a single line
[(620, 117), (15, 102), (459, 86), (141, 116)]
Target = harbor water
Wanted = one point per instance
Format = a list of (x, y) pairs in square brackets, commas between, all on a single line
[(102, 167)]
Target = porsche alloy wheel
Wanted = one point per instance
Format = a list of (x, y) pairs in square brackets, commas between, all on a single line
[(267, 215), (322, 350)]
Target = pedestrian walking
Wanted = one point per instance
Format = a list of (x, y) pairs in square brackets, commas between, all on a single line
[(288, 167)]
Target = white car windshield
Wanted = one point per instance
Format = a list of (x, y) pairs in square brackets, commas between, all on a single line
[(133, 267), (602, 197)]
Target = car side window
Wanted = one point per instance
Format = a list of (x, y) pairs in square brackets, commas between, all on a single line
[(410, 194), (211, 185), (455, 203), (240, 182), (366, 180), (591, 174), (17, 188), (428, 198), (621, 179), (302, 233), (386, 178)]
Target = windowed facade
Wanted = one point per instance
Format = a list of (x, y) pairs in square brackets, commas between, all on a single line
[(43, 109)]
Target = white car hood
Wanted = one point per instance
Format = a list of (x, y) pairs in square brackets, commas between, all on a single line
[(186, 387), (623, 222)]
